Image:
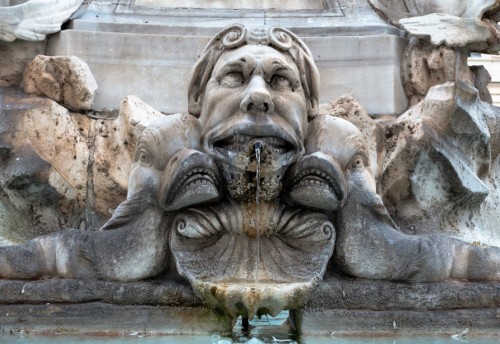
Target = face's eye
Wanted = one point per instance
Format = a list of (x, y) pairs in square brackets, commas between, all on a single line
[(232, 79), (280, 83)]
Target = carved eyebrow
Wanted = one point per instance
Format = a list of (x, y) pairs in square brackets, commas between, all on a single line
[(244, 64), (277, 64), (279, 67), (231, 66)]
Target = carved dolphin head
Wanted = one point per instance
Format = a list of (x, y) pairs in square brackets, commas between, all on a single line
[(334, 151), (159, 142), (339, 143), (343, 141), (167, 171), (168, 166)]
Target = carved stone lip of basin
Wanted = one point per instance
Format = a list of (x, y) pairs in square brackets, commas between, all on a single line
[(240, 139)]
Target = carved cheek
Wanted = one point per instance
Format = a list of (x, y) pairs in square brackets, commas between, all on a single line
[(370, 180), (292, 107), (142, 179), (362, 177), (210, 101), (219, 105)]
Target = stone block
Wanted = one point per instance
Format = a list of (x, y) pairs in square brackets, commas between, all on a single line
[(65, 79), (373, 77)]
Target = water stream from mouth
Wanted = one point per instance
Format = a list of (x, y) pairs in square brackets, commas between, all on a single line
[(258, 147)]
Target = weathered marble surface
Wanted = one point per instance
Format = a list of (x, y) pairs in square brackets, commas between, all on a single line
[(32, 20), (334, 292), (154, 292), (104, 319), (453, 23), (327, 174), (67, 80), (347, 322)]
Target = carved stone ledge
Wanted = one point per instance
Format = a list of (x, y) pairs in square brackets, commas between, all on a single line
[(347, 306), (342, 322), (96, 318), (161, 293), (377, 295), (332, 293)]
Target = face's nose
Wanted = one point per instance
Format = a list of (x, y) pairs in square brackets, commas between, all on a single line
[(257, 99)]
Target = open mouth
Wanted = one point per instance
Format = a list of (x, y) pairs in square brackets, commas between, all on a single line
[(315, 178), (237, 146), (317, 183), (238, 143), (195, 181)]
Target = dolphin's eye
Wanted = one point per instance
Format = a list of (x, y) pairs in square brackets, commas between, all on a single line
[(356, 163), (144, 157), (232, 79)]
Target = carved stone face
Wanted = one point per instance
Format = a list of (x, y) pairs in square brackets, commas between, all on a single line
[(254, 95)]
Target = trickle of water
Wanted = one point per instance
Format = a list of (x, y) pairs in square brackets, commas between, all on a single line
[(258, 147)]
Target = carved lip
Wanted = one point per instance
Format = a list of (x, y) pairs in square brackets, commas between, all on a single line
[(189, 180), (316, 172), (239, 142), (199, 175), (236, 140)]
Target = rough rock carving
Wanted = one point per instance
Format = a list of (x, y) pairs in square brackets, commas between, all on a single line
[(65, 79), (251, 194)]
